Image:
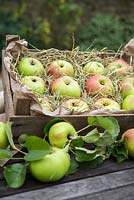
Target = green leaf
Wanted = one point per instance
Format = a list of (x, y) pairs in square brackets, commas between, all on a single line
[(4, 154), (83, 154), (73, 167), (93, 163), (15, 175), (77, 141), (37, 148), (10, 135), (105, 139), (119, 151), (108, 123), (51, 123), (92, 136)]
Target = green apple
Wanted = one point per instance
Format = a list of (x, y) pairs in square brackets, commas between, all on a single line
[(77, 105), (30, 66), (52, 167), (128, 138), (99, 84), (3, 136), (45, 103), (35, 83), (128, 103), (59, 134), (127, 86), (61, 68), (65, 86), (107, 104), (94, 67)]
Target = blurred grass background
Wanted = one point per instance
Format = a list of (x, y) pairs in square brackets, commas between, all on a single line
[(65, 24)]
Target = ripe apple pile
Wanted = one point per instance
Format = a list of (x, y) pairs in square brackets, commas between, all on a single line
[(94, 84)]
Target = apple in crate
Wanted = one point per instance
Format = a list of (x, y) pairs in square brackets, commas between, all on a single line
[(107, 104), (94, 67), (128, 103), (127, 86), (61, 68), (65, 86), (3, 136), (128, 138), (99, 84), (45, 104), (52, 167), (77, 105), (35, 83), (60, 132), (119, 67), (30, 66)]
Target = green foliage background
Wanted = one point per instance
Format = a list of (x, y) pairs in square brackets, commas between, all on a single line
[(65, 24)]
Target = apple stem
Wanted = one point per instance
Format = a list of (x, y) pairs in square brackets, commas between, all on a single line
[(86, 127)]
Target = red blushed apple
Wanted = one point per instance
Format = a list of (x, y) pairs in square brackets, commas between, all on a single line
[(127, 86), (61, 68), (120, 67), (99, 84), (107, 104), (128, 138), (65, 86)]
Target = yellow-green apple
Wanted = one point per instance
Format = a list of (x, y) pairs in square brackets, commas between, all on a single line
[(35, 83), (60, 133), (99, 84), (77, 105), (107, 104), (52, 167), (128, 103), (127, 86), (119, 67), (45, 103), (65, 86), (3, 136), (94, 67), (128, 138), (61, 68), (30, 66)]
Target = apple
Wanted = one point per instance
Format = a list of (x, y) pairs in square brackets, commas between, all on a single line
[(94, 67), (35, 83), (128, 103), (107, 104), (52, 167), (61, 67), (128, 138), (65, 86), (127, 86), (119, 67), (59, 134), (77, 105), (99, 84), (45, 103), (30, 66), (3, 136)]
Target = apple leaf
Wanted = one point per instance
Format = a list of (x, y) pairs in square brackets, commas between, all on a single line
[(92, 136), (15, 175), (119, 151), (4, 154), (10, 135), (97, 161), (77, 141), (73, 167), (105, 139), (51, 123), (37, 148), (83, 154), (108, 123)]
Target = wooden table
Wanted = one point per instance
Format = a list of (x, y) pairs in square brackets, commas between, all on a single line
[(110, 181)]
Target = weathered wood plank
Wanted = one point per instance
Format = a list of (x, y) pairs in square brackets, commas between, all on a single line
[(84, 187)]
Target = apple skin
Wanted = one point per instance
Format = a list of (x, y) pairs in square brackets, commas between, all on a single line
[(30, 67), (128, 138), (127, 86), (128, 103), (59, 134), (45, 103), (94, 67), (3, 136), (120, 67), (99, 84), (65, 86), (51, 167), (61, 68), (107, 104), (77, 105)]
